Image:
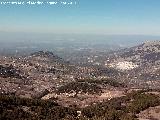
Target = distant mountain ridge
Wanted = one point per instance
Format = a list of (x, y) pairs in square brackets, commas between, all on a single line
[(146, 52), (44, 54), (140, 63)]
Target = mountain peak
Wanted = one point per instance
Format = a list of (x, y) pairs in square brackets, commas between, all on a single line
[(149, 46), (147, 43), (44, 54)]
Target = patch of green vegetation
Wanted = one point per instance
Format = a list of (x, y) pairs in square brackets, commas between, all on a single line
[(13, 108), (123, 108), (107, 81), (82, 87)]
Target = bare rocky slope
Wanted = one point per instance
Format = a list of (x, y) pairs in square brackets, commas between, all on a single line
[(140, 63)]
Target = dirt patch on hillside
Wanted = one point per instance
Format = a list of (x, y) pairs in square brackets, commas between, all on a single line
[(150, 113)]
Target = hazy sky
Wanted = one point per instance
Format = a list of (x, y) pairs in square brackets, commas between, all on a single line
[(87, 16)]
